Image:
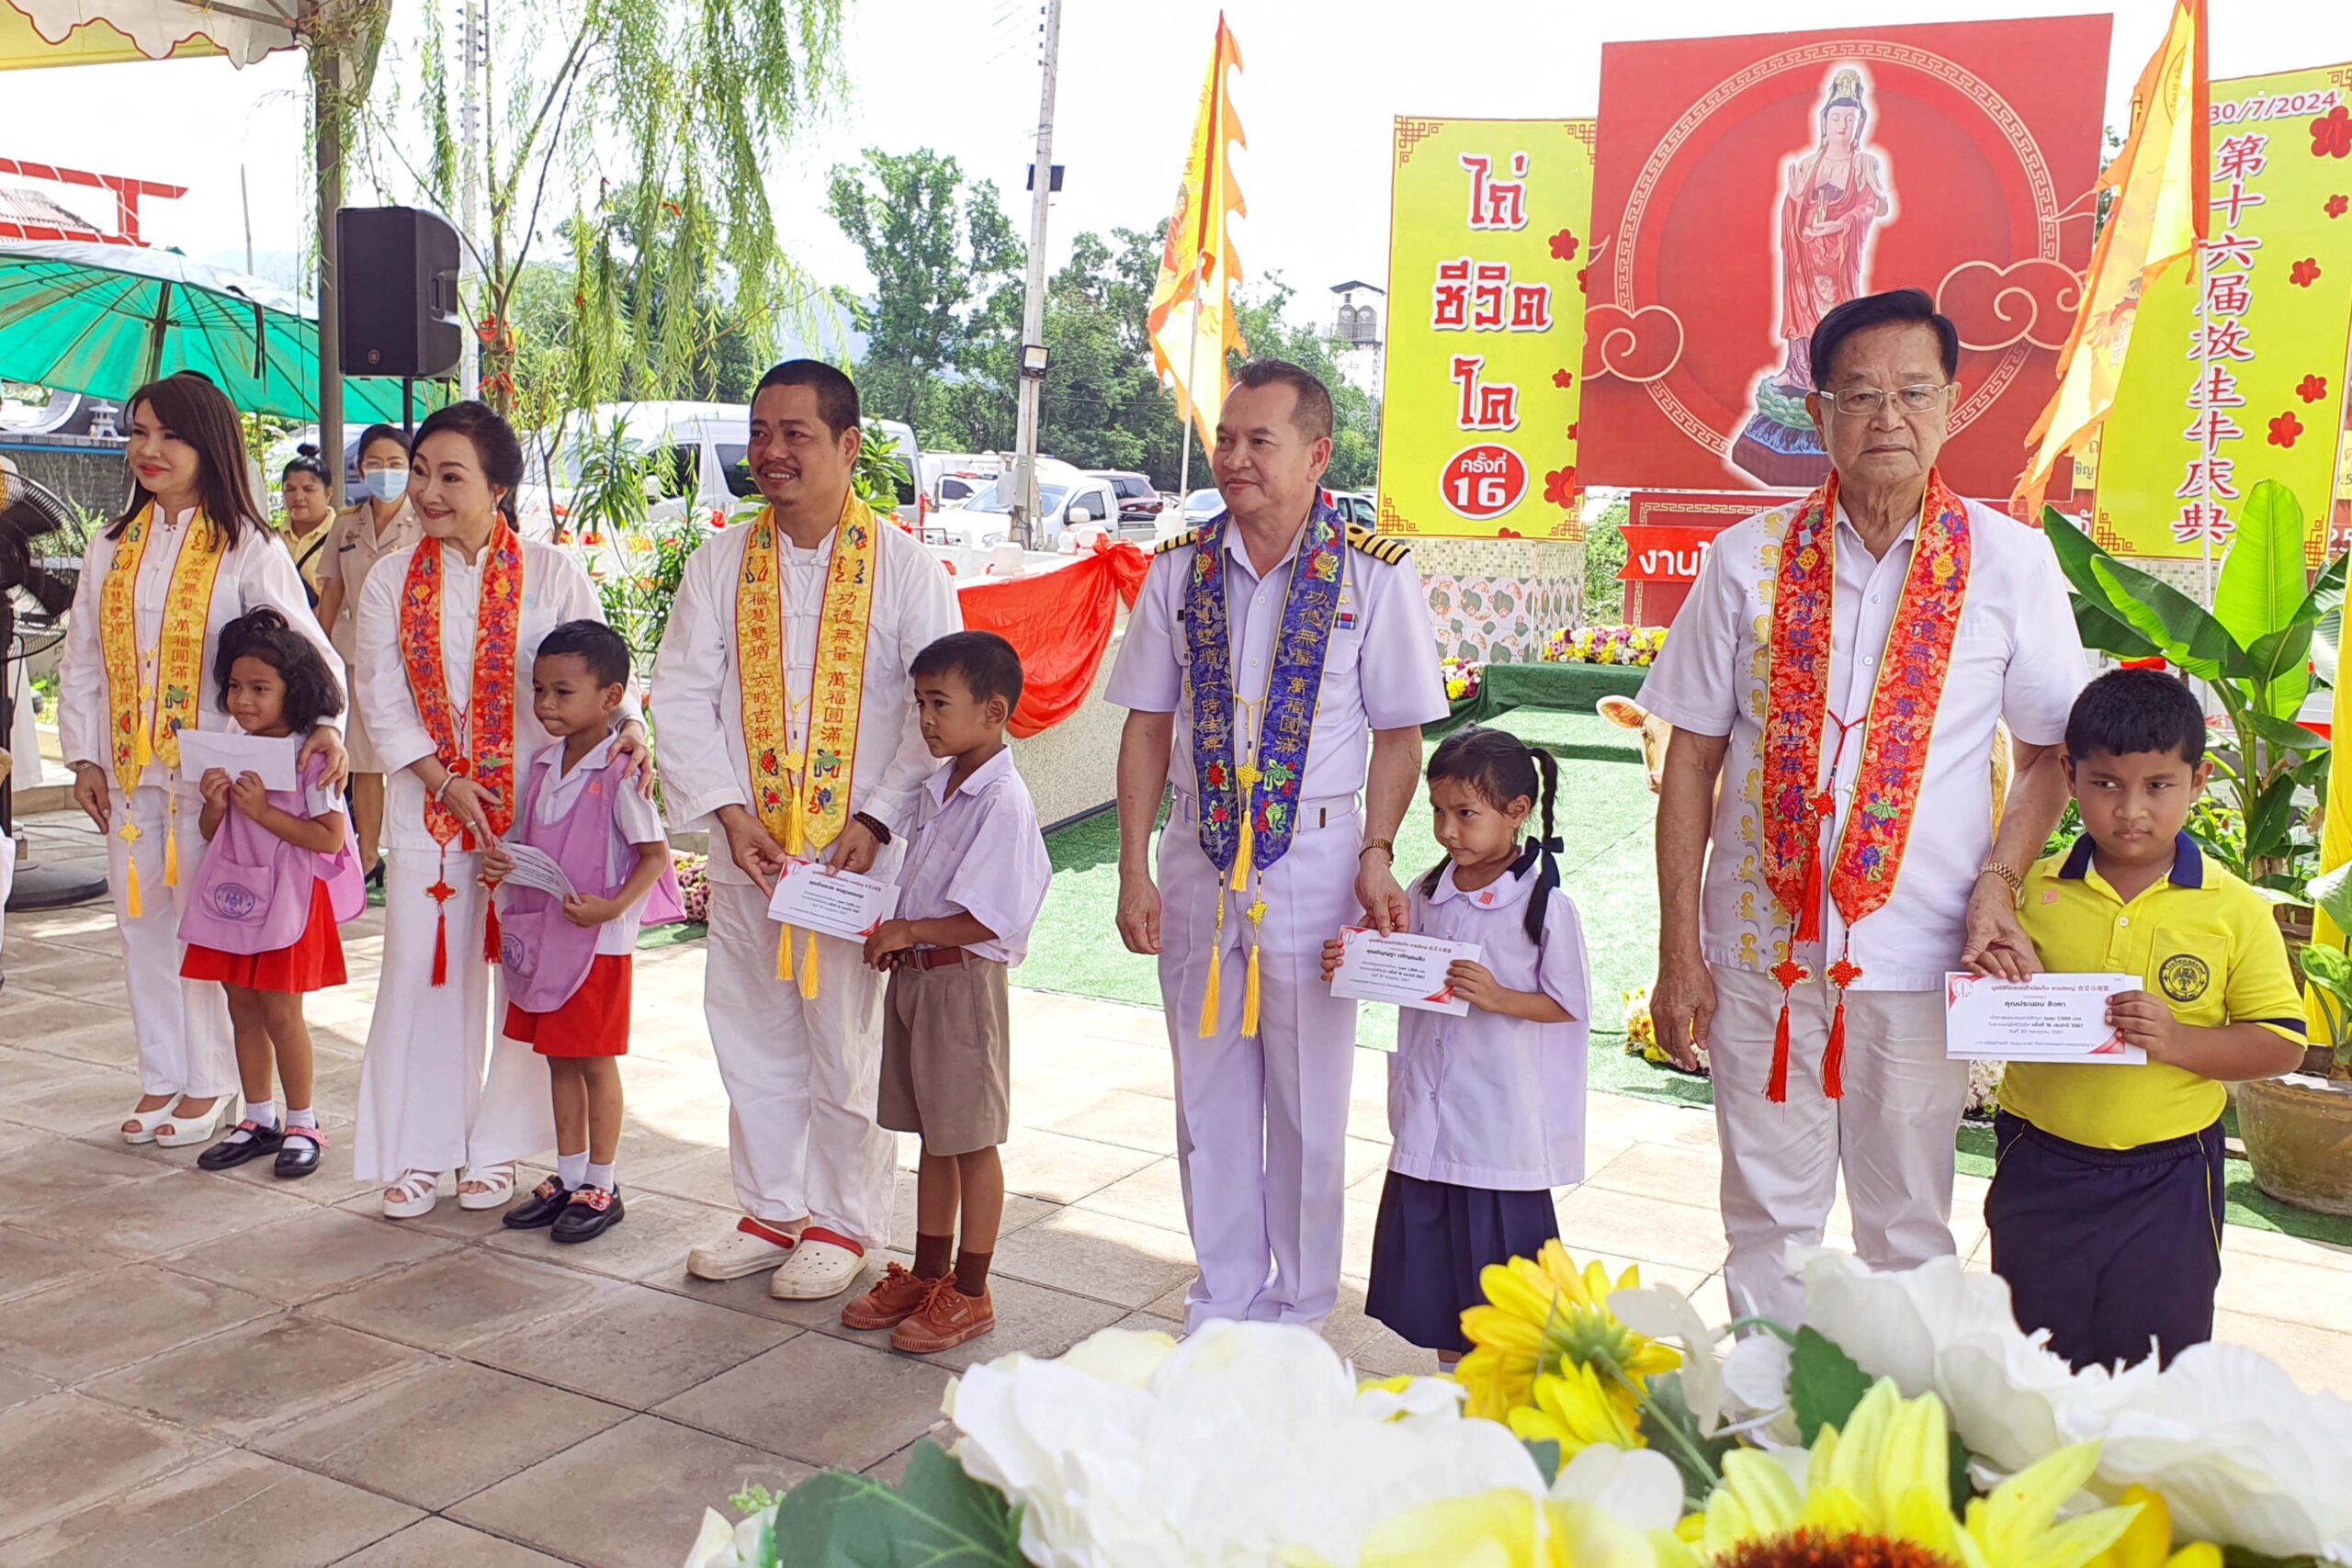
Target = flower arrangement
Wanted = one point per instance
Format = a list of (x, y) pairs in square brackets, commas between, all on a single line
[(694, 885), (1635, 646), (1907, 1424), (1641, 1034), (1463, 679)]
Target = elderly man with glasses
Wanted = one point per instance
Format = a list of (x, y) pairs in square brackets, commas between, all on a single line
[(1840, 667)]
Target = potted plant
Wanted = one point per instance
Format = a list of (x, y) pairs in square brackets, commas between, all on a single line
[(2298, 1129)]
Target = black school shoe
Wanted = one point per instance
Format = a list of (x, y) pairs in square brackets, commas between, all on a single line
[(297, 1155), (233, 1151), (540, 1209), (592, 1213)]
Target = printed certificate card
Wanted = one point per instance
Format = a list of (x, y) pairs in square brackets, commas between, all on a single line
[(1405, 969), (816, 897), (2050, 1018)]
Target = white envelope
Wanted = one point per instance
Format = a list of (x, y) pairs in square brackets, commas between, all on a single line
[(536, 869), (1405, 969), (2050, 1018), (839, 903), (233, 752)]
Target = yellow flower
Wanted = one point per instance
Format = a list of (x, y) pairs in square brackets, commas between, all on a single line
[(1574, 1408), (1886, 1478), (1505, 1529), (2146, 1541), (1545, 1314)]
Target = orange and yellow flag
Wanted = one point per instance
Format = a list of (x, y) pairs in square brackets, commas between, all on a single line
[(1190, 320), (2160, 214)]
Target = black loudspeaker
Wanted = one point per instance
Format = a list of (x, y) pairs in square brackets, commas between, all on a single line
[(398, 285)]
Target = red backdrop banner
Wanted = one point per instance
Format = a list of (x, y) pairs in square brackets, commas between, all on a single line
[(1745, 186), (1059, 622)]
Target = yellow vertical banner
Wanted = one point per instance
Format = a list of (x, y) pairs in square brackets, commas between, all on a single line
[(2234, 361), (1487, 250)]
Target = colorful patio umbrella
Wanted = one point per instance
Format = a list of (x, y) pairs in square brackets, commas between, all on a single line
[(104, 320), (90, 33)]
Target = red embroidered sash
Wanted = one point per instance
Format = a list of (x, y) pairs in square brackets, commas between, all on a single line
[(485, 750), (1798, 798)]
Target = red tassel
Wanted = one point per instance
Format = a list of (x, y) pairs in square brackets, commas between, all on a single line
[(1776, 1090), (1809, 913), (489, 938), (441, 947), (1833, 1063)]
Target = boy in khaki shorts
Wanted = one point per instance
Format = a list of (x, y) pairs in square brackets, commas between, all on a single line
[(974, 880)]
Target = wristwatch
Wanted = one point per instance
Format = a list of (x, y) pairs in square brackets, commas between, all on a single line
[(2006, 873), (1385, 846)]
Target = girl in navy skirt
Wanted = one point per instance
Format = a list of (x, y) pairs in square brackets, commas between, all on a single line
[(1486, 1110)]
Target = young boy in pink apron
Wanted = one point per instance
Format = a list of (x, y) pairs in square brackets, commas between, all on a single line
[(566, 958), (279, 872)]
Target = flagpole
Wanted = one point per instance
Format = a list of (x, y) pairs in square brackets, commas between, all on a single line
[(1192, 370)]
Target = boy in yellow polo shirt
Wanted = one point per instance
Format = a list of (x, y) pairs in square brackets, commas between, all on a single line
[(2105, 1207)]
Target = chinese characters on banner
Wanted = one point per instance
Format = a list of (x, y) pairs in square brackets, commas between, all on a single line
[(2233, 372), (1487, 250)]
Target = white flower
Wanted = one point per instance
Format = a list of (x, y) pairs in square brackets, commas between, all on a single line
[(1755, 1390), (1665, 1313), (722, 1545), (1938, 1328), (2240, 1453), (1635, 1487), (1245, 1441)]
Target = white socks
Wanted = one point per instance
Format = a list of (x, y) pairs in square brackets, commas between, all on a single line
[(600, 1176), (262, 1113), (572, 1169), (306, 1117)]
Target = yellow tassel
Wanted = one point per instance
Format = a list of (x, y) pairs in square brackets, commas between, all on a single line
[(1241, 861), (130, 884), (1209, 998), (784, 952), (809, 969), (1250, 999), (172, 845)]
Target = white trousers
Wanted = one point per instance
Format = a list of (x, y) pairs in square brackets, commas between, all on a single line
[(185, 1042), (1892, 1132), (803, 1076), (424, 1103), (1261, 1124)]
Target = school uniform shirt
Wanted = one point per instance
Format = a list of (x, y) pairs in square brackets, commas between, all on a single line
[(703, 765), (354, 546), (1486, 1100), (1380, 665), (2014, 656), (978, 852), (635, 822), (2200, 939), (253, 572), (555, 590)]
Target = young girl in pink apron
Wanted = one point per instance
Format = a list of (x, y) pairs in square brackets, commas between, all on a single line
[(567, 959), (279, 872)]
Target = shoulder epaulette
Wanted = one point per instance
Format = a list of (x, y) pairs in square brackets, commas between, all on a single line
[(1386, 548), (1189, 536)]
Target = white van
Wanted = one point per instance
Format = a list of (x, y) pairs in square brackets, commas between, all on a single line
[(1073, 508)]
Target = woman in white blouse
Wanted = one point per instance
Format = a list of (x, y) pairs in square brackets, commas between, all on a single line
[(447, 628), (189, 555)]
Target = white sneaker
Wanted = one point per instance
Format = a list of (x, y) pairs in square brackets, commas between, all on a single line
[(824, 1265), (751, 1247)]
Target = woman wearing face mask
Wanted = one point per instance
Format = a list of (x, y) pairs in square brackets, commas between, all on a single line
[(382, 522), (310, 517), (448, 630)]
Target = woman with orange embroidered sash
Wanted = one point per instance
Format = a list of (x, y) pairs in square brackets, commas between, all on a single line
[(189, 555), (447, 632), (1844, 666)]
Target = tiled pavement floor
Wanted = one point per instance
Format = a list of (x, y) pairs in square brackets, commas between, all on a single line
[(202, 1368)]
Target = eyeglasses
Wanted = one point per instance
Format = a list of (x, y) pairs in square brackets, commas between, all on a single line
[(1861, 402)]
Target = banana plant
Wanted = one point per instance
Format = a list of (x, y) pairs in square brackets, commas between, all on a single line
[(2328, 970), (2255, 650)]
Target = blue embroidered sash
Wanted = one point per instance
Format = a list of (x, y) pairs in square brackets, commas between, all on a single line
[(1268, 792)]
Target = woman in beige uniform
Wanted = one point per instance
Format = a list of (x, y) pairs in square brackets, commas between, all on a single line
[(379, 525)]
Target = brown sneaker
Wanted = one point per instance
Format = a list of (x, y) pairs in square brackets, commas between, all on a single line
[(895, 1298), (947, 1318)]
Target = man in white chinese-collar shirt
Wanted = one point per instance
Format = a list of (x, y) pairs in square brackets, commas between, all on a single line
[(1842, 666), (1278, 664)]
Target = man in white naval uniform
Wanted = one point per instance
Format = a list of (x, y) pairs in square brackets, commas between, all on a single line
[(812, 1170), (1733, 958), (1261, 1115)]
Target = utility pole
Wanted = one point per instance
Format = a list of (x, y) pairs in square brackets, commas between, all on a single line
[(327, 89), (1033, 313), (474, 34)]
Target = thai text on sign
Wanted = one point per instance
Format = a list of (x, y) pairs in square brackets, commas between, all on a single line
[(1487, 253)]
